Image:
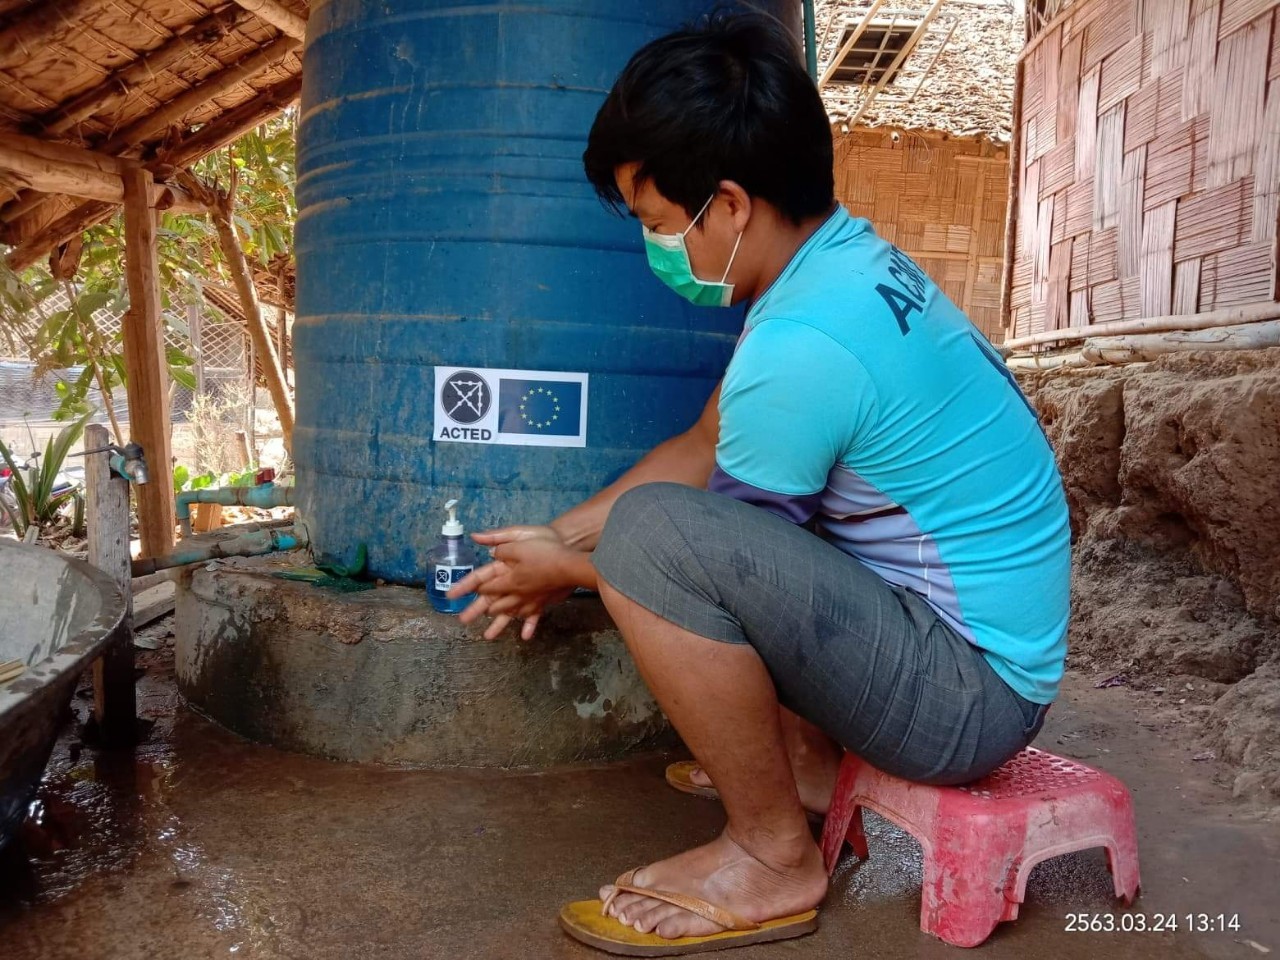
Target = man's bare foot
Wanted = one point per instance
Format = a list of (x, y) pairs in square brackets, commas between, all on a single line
[(724, 874)]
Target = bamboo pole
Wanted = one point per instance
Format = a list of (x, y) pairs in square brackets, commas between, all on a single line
[(1249, 313), (116, 87), (148, 373), (107, 516), (1139, 348), (1058, 361), (231, 125), (845, 47), (286, 21), (282, 333), (1013, 195), (177, 108), (934, 62), (1145, 347), (11, 670), (907, 49)]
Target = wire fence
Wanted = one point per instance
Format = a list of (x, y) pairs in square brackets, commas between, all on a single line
[(217, 344)]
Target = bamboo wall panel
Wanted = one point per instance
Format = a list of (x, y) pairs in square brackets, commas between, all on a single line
[(1240, 13), (1239, 92), (1108, 169), (1266, 183), (1167, 27), (1274, 72), (1129, 238), (1140, 117), (1121, 75), (943, 202), (1157, 190), (1086, 125), (1186, 287)]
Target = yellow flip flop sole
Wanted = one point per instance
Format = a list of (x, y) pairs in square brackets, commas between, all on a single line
[(680, 776), (584, 921)]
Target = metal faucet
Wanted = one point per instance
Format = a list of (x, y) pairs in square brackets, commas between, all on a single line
[(127, 461)]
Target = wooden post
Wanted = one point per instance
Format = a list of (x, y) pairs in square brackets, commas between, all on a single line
[(107, 516), (244, 450), (144, 355)]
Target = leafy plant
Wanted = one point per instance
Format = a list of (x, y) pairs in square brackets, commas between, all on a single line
[(184, 479), (262, 169), (239, 478), (34, 500), (72, 339)]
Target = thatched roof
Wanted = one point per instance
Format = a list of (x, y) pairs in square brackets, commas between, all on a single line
[(167, 81), (161, 81), (969, 91)]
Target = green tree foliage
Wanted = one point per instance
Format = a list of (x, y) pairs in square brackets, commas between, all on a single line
[(260, 165)]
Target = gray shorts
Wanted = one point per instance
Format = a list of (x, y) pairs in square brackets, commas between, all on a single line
[(871, 664)]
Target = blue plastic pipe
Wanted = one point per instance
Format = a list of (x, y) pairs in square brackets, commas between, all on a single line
[(264, 496), (248, 543)]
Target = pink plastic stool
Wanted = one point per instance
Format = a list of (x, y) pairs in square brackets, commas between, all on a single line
[(981, 840)]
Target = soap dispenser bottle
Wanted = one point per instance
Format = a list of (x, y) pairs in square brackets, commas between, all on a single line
[(451, 559)]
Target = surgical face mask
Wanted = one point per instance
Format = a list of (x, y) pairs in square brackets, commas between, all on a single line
[(669, 260)]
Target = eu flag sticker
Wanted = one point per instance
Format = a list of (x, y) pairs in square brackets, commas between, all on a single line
[(532, 408), (544, 408)]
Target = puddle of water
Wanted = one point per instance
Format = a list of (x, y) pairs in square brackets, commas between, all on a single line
[(87, 818)]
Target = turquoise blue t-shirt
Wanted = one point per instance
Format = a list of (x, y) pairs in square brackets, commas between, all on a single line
[(862, 399)]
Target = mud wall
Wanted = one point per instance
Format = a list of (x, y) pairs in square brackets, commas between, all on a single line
[(1172, 473)]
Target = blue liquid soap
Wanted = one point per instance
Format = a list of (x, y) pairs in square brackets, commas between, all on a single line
[(451, 559)]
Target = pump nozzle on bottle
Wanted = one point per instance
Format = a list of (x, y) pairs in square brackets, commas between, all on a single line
[(449, 562), (452, 528)]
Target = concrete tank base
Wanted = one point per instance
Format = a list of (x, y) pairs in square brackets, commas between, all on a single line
[(378, 676)]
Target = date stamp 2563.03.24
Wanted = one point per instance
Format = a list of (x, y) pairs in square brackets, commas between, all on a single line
[(1152, 923)]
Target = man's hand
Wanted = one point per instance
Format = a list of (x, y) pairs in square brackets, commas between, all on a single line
[(532, 570)]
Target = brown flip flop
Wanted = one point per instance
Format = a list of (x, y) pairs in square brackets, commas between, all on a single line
[(586, 921)]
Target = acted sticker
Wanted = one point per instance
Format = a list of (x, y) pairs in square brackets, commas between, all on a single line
[(531, 408)]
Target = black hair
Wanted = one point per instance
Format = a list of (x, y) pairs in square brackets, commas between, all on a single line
[(725, 99)]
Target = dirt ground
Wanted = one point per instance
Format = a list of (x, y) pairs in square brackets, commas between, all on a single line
[(1171, 475), (202, 845)]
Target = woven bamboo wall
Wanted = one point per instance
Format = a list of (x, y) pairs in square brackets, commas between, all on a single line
[(941, 200), (1149, 162)]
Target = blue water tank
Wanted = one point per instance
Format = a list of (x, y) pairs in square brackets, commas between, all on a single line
[(444, 220)]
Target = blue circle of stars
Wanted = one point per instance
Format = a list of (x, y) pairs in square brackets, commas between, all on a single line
[(539, 407)]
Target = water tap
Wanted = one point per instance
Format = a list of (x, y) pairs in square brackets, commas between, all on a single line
[(127, 461)]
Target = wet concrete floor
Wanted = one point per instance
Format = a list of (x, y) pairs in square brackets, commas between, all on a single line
[(203, 845)]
